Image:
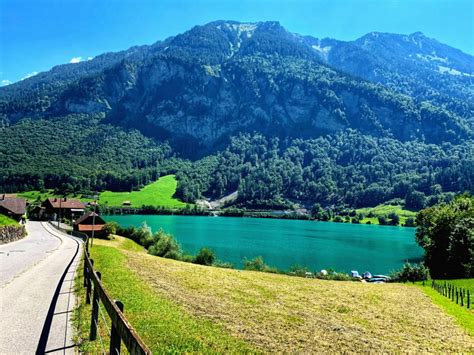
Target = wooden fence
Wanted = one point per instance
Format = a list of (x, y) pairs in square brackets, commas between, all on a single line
[(456, 294), (121, 330)]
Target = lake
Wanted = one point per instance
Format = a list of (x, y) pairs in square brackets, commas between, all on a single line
[(284, 243)]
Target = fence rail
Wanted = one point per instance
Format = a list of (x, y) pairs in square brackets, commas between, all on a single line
[(121, 330), (456, 294)]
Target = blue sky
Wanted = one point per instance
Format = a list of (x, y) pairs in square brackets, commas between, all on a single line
[(38, 34)]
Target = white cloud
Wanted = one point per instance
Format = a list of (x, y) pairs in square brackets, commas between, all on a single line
[(5, 82), (29, 75), (75, 60), (90, 58)]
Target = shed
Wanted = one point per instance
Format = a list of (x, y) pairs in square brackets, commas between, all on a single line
[(90, 223)]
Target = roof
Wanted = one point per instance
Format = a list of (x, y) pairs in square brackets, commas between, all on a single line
[(65, 203), (90, 227), (13, 204), (88, 215)]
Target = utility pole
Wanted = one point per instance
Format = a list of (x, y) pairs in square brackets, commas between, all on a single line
[(59, 213), (93, 219)]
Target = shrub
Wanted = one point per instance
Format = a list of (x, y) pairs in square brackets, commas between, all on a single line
[(409, 272), (298, 270), (338, 219), (166, 246), (224, 265), (187, 258), (110, 228), (410, 222), (205, 257), (257, 264)]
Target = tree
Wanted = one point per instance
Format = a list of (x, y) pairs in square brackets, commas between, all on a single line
[(205, 257), (415, 200), (446, 232)]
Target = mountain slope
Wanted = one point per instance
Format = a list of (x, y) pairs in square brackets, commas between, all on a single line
[(411, 64), (201, 87)]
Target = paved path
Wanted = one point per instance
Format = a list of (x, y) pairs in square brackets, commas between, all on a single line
[(36, 291)]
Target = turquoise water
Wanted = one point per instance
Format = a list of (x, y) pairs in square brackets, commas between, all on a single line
[(283, 243)]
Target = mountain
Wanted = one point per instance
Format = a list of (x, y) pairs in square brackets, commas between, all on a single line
[(413, 64), (250, 85)]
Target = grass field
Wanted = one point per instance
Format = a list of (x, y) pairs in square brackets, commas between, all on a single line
[(383, 210), (33, 195), (159, 193), (7, 221), (463, 316), (182, 307)]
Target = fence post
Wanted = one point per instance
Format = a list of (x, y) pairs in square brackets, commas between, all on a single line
[(468, 299), (95, 311), (457, 296), (114, 335), (85, 269), (462, 298), (89, 283)]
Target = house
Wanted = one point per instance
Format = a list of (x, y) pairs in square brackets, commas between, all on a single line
[(12, 206), (59, 207), (88, 223)]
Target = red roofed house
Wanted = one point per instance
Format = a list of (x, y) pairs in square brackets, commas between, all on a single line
[(91, 221), (55, 207), (12, 206)]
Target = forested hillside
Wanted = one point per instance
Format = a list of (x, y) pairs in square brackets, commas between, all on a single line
[(279, 117)]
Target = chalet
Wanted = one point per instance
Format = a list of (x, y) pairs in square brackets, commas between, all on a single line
[(90, 222), (12, 206), (58, 207)]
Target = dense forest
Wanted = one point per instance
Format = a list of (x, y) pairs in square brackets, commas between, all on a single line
[(343, 169)]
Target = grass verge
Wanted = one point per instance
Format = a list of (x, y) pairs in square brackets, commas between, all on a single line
[(7, 221), (463, 316), (163, 325)]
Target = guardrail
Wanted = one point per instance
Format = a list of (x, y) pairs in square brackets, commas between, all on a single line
[(121, 330)]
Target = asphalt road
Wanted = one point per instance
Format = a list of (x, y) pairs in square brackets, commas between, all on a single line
[(36, 291)]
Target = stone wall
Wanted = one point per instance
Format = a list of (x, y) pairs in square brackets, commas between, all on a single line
[(11, 233)]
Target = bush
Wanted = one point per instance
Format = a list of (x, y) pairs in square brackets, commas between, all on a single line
[(224, 265), (257, 264), (166, 246), (110, 228), (410, 222), (409, 272), (298, 270), (205, 257)]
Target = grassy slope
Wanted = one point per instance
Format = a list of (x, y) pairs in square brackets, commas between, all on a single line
[(7, 221), (462, 315), (180, 307), (159, 193), (383, 210), (163, 325), (33, 195)]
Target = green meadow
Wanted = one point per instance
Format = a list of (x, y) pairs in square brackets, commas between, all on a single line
[(384, 210), (159, 193)]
